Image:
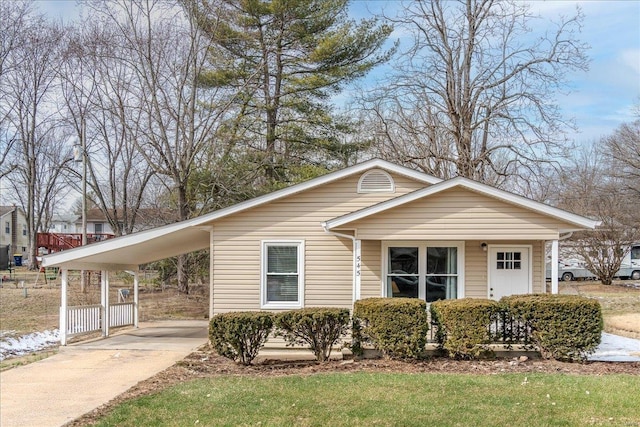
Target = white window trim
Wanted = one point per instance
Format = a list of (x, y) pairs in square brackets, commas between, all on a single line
[(422, 261), (263, 275)]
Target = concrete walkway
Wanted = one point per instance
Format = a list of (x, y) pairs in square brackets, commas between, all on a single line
[(83, 376), (614, 348)]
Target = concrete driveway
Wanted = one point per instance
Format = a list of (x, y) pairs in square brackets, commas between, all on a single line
[(83, 376)]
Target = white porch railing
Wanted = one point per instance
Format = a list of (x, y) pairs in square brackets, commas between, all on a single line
[(83, 319), (88, 318), (121, 314)]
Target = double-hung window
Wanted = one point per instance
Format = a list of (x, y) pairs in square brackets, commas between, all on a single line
[(282, 282), (427, 270)]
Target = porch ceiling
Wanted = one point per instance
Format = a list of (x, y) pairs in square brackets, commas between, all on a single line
[(128, 252)]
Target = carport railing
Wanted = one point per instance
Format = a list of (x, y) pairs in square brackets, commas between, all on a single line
[(83, 319), (121, 314), (88, 318)]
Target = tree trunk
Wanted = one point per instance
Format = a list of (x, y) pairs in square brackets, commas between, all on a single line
[(183, 262)]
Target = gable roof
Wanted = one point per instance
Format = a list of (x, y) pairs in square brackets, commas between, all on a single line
[(127, 252), (578, 221), (5, 210)]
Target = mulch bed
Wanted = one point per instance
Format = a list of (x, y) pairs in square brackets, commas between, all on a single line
[(205, 363)]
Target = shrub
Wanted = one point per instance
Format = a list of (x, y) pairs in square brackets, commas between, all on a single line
[(463, 325), (396, 326), (562, 326), (320, 328), (240, 335)]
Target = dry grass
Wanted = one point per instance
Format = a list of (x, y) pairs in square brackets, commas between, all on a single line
[(625, 324)]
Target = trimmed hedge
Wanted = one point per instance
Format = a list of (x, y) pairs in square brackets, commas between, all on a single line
[(463, 326), (240, 335), (396, 326), (319, 327), (564, 327)]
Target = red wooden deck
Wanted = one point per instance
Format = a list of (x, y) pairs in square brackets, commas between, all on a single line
[(56, 242)]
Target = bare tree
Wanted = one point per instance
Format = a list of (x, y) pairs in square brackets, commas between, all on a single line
[(29, 104), (104, 110), (622, 149), (587, 187), (14, 20), (167, 52), (474, 92)]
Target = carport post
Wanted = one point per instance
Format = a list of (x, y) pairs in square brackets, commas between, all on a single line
[(135, 299), (63, 307), (104, 287)]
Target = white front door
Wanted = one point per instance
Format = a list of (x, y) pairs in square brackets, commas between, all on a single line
[(509, 270)]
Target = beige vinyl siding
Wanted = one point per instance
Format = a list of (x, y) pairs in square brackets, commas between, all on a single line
[(457, 214), (539, 267), (371, 280), (475, 274), (328, 259)]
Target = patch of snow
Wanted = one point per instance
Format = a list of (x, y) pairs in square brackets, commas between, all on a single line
[(614, 348), (25, 344)]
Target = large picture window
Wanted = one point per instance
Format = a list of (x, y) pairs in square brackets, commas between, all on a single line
[(430, 270), (282, 274)]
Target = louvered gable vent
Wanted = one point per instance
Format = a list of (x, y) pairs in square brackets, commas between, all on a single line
[(376, 181)]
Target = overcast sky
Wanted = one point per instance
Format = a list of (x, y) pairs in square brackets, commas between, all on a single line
[(602, 98)]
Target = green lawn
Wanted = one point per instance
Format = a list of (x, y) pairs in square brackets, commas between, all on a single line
[(365, 399)]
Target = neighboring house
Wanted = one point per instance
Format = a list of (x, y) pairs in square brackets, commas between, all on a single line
[(13, 233), (370, 230), (64, 224), (97, 223)]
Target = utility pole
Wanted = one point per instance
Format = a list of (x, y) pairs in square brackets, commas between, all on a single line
[(80, 155)]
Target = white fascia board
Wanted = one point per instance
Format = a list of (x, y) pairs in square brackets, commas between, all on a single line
[(316, 182), (580, 221)]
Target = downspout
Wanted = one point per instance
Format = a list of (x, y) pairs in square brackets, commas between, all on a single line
[(355, 276)]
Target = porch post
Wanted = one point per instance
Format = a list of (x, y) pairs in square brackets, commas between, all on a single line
[(104, 297), (63, 307), (554, 266), (357, 260), (135, 299)]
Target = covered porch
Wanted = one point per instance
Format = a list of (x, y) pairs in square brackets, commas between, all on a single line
[(455, 239)]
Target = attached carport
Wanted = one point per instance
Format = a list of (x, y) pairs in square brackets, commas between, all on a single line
[(126, 253)]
